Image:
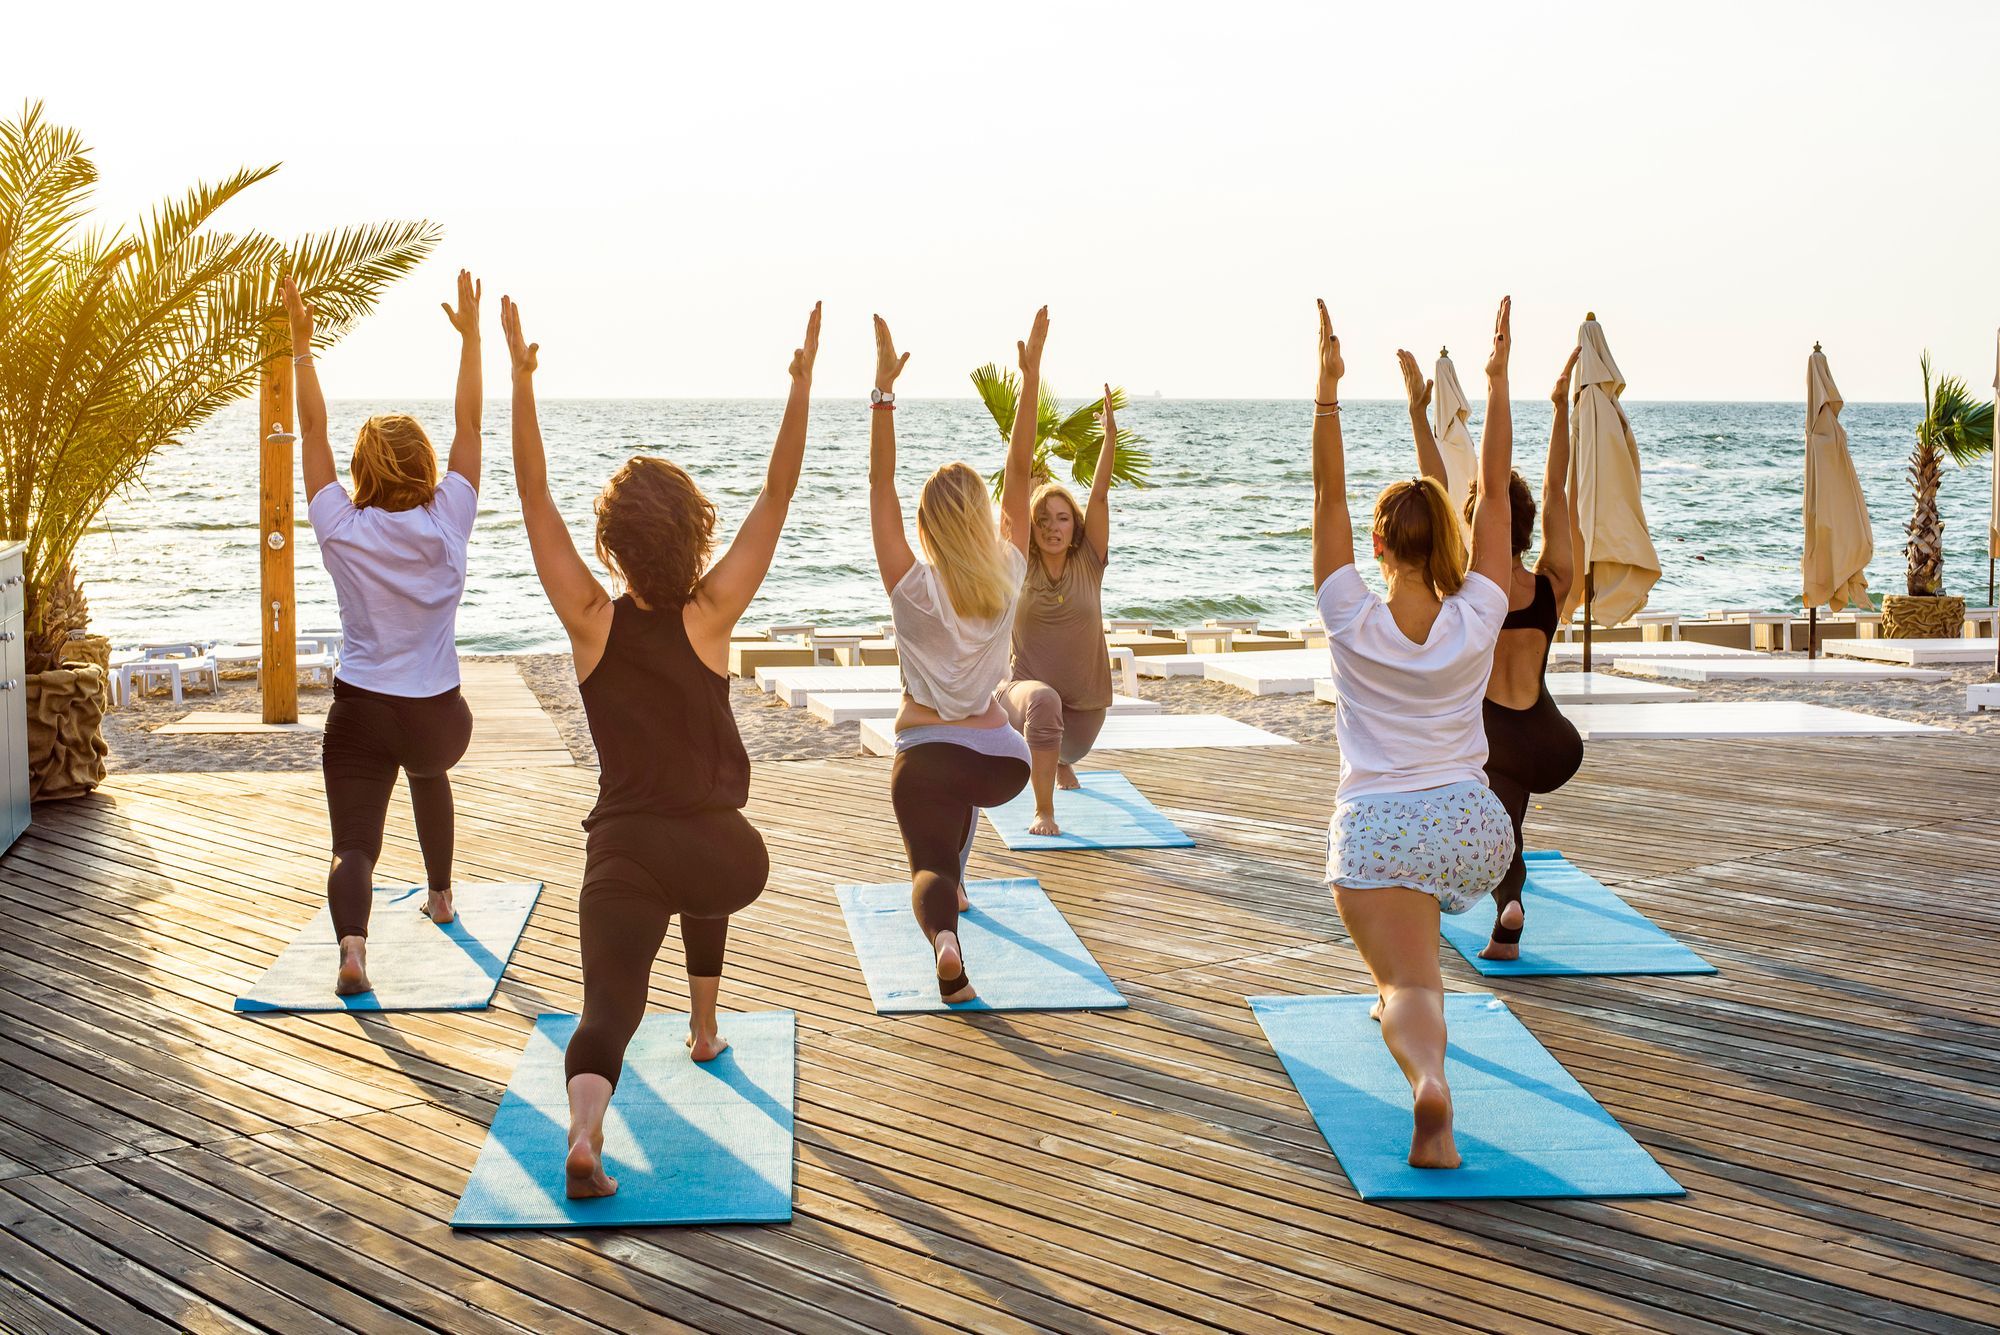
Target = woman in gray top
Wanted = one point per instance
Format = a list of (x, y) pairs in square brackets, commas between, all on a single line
[(1060, 684)]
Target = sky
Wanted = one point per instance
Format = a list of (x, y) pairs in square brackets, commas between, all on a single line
[(667, 188)]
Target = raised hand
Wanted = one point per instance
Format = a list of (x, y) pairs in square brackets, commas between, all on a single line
[(523, 354), (1560, 394), (1503, 340), (1031, 351), (1110, 422), (802, 358), (298, 314), (1331, 367), (466, 318), (1414, 385), (887, 364)]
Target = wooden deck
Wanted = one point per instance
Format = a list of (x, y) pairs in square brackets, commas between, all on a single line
[(1831, 1099)]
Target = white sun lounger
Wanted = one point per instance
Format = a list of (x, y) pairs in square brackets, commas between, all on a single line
[(1777, 669), (792, 684), (1601, 652), (1730, 718), (1579, 688), (1983, 695), (1914, 652), (1278, 672), (838, 707), (1127, 733)]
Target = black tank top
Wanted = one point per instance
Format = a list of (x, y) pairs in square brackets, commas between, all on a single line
[(665, 736), (1540, 613)]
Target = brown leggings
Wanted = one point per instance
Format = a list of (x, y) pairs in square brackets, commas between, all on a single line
[(937, 789), (1038, 713), (639, 871)]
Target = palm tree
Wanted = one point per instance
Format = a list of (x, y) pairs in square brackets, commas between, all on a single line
[(1076, 438), (1956, 424), (117, 343)]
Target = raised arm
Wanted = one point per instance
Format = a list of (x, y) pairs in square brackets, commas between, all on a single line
[(1097, 512), (1558, 559), (1017, 476), (1492, 550), (726, 590), (1430, 462), (579, 600), (315, 453), (1333, 528), (893, 556), (470, 398)]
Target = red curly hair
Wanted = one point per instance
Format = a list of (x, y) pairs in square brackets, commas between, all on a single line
[(654, 530)]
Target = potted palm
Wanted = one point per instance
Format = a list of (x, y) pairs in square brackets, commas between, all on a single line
[(1956, 425), (1074, 439), (115, 344)]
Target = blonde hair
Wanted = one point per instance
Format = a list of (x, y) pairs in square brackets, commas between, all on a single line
[(955, 527), (1043, 494), (1415, 525), (394, 466)]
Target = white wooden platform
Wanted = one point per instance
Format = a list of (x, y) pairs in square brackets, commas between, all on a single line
[(1278, 672), (838, 707), (1983, 695), (1730, 718), (1601, 652), (1128, 733), (1579, 688), (1914, 652), (229, 723), (1777, 669), (793, 685), (1178, 665)]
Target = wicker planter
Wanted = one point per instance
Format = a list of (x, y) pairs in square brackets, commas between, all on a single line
[(66, 747), (1909, 617)]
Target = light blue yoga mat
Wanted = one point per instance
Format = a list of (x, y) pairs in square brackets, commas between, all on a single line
[(1524, 1127), (1107, 812), (1575, 925), (687, 1142), (414, 964), (1020, 951)]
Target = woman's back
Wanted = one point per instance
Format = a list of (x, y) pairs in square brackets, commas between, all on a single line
[(952, 663), (1409, 714), (1521, 654)]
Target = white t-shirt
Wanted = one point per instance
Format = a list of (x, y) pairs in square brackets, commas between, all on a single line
[(399, 576), (1409, 716), (951, 663)]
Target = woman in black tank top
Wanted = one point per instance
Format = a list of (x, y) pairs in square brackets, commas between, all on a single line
[(667, 835), (1536, 749)]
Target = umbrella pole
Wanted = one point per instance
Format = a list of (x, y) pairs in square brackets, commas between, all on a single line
[(1587, 592), (1812, 631)]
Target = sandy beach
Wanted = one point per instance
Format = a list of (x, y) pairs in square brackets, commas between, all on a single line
[(775, 732)]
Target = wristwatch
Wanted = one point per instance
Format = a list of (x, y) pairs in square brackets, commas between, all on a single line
[(882, 396)]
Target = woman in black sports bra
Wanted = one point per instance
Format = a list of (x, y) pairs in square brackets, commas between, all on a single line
[(1530, 747)]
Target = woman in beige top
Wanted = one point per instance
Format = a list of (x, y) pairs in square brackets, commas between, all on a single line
[(1060, 684)]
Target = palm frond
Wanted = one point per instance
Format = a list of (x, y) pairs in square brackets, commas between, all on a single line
[(1000, 391), (342, 274)]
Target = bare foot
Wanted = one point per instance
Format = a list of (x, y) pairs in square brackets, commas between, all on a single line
[(437, 907), (1510, 918), (583, 1172), (705, 1047), (1431, 1145), (1066, 777), (1044, 823), (951, 964), (352, 978)]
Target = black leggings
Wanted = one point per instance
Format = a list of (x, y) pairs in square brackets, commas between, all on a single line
[(369, 736), (1532, 750), (640, 870), (937, 789)]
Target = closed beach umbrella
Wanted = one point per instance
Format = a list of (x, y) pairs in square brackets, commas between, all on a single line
[(1620, 565), (1993, 508), (1454, 437), (1839, 541)]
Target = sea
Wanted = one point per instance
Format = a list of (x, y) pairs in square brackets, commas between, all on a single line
[(1222, 529)]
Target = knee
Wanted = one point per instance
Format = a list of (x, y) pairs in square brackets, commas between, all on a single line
[(355, 859), (1042, 719)]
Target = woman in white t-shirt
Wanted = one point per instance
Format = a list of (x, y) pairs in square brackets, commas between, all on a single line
[(396, 553), (1415, 829), (954, 614)]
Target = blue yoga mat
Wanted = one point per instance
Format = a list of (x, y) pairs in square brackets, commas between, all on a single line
[(1020, 951), (688, 1142), (414, 964), (1524, 1127), (1107, 812), (1575, 925)]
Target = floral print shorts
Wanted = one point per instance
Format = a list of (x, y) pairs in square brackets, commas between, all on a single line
[(1452, 843)]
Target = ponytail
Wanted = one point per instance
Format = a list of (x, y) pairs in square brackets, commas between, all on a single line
[(1414, 522)]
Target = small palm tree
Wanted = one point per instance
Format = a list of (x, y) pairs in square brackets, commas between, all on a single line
[(1075, 439), (1956, 424), (115, 344)]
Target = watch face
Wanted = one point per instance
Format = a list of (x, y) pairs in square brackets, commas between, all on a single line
[(879, 396)]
